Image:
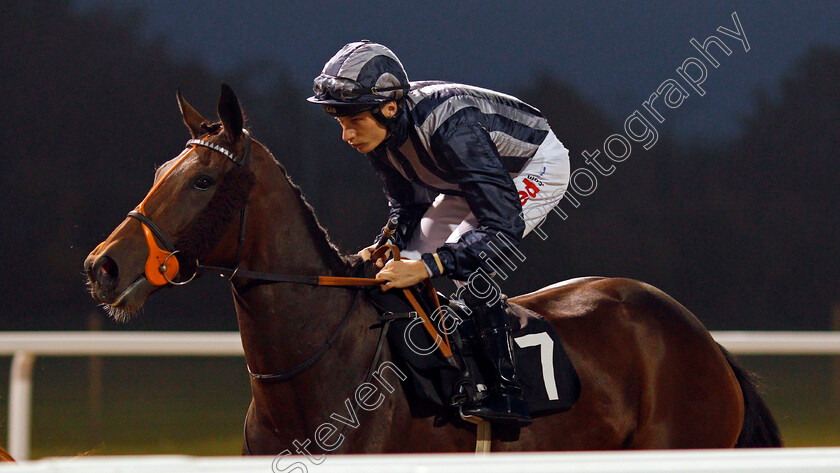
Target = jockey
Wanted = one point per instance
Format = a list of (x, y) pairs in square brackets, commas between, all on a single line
[(466, 171)]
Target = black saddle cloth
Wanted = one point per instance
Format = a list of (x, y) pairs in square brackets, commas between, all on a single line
[(549, 381), (436, 385)]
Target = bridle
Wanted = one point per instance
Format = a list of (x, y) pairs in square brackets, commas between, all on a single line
[(161, 268)]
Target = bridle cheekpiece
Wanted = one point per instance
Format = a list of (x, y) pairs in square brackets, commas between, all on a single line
[(161, 268)]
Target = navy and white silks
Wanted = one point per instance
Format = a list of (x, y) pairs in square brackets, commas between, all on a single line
[(493, 160)]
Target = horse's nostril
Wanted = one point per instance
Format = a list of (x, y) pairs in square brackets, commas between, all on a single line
[(105, 270), (109, 268)]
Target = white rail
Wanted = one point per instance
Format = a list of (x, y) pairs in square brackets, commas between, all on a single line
[(788, 460), (122, 343), (780, 343), (24, 347)]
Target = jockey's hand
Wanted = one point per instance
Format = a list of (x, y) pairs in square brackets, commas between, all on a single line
[(403, 273), (367, 252)]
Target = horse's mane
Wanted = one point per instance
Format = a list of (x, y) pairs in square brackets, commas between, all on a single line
[(325, 246)]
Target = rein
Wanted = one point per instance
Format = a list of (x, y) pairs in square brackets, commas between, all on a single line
[(314, 280), (291, 373)]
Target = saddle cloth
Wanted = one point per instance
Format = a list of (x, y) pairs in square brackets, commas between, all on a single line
[(437, 385)]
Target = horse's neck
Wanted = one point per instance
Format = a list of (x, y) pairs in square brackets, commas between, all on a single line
[(282, 233), (282, 325), (281, 236)]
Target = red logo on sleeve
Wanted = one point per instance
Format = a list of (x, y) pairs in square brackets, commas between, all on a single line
[(531, 190)]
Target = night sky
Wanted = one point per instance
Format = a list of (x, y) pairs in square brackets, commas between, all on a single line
[(614, 53), (751, 209)]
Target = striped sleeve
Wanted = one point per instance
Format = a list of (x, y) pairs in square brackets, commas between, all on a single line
[(489, 191)]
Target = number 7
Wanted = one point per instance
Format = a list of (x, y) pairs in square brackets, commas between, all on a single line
[(546, 345)]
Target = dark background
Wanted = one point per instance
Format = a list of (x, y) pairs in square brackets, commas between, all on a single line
[(734, 212)]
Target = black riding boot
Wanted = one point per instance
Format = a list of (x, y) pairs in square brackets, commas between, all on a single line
[(503, 402)]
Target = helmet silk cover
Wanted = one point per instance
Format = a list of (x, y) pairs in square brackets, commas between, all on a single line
[(354, 78)]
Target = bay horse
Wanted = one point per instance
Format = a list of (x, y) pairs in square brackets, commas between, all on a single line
[(652, 377)]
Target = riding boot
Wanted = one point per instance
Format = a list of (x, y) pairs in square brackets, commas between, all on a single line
[(503, 402)]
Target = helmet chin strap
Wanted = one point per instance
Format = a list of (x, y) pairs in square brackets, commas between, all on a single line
[(388, 122)]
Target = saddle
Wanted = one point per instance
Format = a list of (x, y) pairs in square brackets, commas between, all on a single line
[(440, 381)]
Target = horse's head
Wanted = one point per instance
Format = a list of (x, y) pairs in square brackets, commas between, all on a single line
[(186, 216)]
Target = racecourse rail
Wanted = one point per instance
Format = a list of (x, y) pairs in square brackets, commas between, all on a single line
[(786, 460), (24, 347)]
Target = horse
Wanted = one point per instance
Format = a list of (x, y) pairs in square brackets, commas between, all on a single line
[(652, 377)]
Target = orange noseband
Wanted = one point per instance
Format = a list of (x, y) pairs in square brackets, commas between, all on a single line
[(161, 267)]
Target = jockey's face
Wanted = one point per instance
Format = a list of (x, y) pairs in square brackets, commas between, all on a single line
[(362, 131)]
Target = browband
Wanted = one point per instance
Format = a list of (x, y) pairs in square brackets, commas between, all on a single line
[(226, 152)]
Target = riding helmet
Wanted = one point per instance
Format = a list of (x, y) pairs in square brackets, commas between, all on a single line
[(361, 76)]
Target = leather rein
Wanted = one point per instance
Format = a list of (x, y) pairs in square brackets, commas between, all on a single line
[(161, 268)]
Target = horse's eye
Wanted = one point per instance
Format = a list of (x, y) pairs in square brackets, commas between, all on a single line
[(202, 183)]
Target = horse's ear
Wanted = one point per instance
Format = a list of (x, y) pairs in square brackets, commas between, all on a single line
[(230, 113), (191, 117)]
